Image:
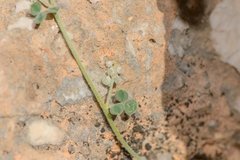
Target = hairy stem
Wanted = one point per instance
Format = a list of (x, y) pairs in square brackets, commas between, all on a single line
[(99, 99), (47, 4)]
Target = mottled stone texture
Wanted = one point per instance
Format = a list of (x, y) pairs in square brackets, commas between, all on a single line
[(188, 100)]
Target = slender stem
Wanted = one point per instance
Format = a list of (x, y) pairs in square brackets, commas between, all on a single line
[(46, 3), (99, 99), (52, 2), (109, 92)]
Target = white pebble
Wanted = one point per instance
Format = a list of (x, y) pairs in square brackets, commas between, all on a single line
[(41, 132), (23, 23), (22, 5)]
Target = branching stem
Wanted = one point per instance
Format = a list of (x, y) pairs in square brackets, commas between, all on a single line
[(110, 92)]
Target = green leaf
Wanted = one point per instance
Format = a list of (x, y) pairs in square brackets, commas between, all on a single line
[(121, 95), (53, 9), (130, 107), (110, 71), (106, 80), (35, 8), (117, 109), (119, 70), (40, 17), (117, 80)]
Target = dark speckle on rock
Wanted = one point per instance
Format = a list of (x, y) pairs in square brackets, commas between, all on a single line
[(97, 124), (148, 146), (113, 154), (102, 130), (236, 137)]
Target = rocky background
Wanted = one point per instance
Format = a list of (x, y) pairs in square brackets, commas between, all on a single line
[(189, 100)]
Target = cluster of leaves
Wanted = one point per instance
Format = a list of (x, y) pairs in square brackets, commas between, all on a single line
[(129, 106), (40, 16), (113, 72)]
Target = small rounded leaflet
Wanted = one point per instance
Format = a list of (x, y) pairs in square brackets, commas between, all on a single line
[(53, 9), (117, 80), (130, 107), (35, 8), (110, 71), (106, 80), (121, 95), (40, 17), (119, 70), (117, 109), (109, 63)]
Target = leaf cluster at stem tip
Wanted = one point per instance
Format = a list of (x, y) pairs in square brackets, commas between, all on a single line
[(129, 106), (40, 16), (112, 73)]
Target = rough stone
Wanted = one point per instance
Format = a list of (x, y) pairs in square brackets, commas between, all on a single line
[(159, 136), (95, 1), (108, 144), (140, 28), (148, 82), (184, 66), (73, 90), (132, 57), (164, 156), (174, 81), (85, 151), (77, 133), (116, 18), (77, 156), (50, 98), (71, 149), (149, 57), (156, 116), (213, 125), (149, 8), (232, 94), (7, 157), (48, 106), (121, 125), (157, 28), (175, 50), (207, 84), (64, 4), (143, 158), (179, 24), (236, 137)]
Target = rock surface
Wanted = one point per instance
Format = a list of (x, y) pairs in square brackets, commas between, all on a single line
[(188, 99)]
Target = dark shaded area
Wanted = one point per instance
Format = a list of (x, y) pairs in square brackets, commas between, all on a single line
[(200, 157), (180, 76), (191, 11)]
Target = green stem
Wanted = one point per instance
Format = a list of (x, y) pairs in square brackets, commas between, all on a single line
[(47, 4), (99, 99), (109, 92)]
